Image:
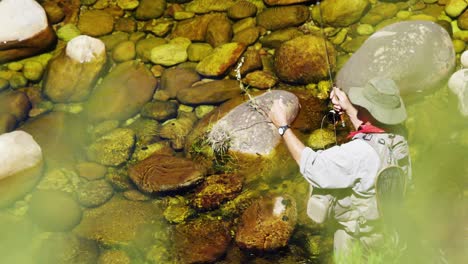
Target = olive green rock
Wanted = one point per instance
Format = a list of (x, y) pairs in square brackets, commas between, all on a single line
[(18, 80), (277, 37), (198, 51), (113, 148), (33, 70), (67, 32), (3, 84), (122, 92), (455, 7), (274, 18), (15, 103), (112, 40), (66, 248), (340, 13), (290, 64), (124, 51), (118, 222), (7, 122), (95, 23), (209, 93), (220, 59), (144, 47), (159, 110), (218, 31), (149, 9), (206, 6), (462, 20), (54, 211)]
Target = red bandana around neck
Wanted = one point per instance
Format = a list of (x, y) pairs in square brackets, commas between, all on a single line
[(365, 128)]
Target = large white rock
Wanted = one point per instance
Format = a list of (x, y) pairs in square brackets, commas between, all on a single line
[(418, 55), (21, 23), (18, 152), (85, 49), (24, 30)]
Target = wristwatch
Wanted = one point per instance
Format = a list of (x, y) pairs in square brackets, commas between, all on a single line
[(282, 129)]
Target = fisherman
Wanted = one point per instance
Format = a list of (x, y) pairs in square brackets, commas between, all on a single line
[(344, 177)]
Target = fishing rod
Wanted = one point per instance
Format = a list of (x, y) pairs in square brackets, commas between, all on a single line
[(333, 115)]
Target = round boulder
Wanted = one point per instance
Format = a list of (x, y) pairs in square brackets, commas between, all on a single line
[(289, 60), (95, 23), (418, 55), (274, 18), (54, 211)]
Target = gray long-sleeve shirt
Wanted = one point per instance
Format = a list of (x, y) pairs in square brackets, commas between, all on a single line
[(352, 165)]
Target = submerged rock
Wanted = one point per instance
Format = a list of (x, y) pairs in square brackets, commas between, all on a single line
[(117, 222), (206, 6), (212, 92), (15, 103), (160, 173), (112, 149), (54, 211), (71, 76), (25, 31), (418, 55), (267, 224), (221, 59), (201, 241), (175, 79), (340, 13), (150, 9), (290, 64), (95, 23), (458, 83), (241, 9), (274, 18), (122, 93), (215, 190), (66, 248), (94, 193)]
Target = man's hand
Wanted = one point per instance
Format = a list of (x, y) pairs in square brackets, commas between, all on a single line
[(341, 103), (278, 113)]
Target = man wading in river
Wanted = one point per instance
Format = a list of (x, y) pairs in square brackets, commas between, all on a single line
[(354, 168)]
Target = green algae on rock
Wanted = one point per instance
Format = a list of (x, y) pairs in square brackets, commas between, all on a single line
[(112, 149)]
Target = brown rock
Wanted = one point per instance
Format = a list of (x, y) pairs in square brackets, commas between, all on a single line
[(206, 6), (149, 9), (15, 50), (15, 103), (217, 189), (247, 36), (209, 93), (241, 9), (290, 64), (159, 110), (7, 122), (311, 113), (114, 257), (274, 18), (201, 241), (267, 224), (276, 38), (175, 79), (218, 31), (91, 171), (252, 61), (283, 2), (221, 59), (462, 20), (340, 13), (194, 28), (144, 47), (160, 173), (125, 24), (54, 13), (95, 23), (122, 92), (261, 80)]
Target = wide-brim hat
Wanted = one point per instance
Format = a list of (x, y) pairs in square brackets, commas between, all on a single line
[(381, 97)]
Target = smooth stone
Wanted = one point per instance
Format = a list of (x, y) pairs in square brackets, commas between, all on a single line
[(261, 80), (15, 103), (396, 52), (212, 92), (222, 57), (275, 38), (197, 51), (122, 92), (95, 23), (91, 171), (206, 6), (457, 84), (175, 79), (455, 7), (193, 28), (159, 110), (33, 70), (54, 211), (66, 248), (169, 54), (144, 47), (124, 51), (7, 123), (150, 9), (247, 130), (218, 31), (340, 13), (241, 9), (275, 18), (67, 32)]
